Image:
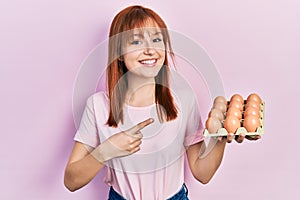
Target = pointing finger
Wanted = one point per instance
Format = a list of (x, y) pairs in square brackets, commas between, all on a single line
[(139, 126)]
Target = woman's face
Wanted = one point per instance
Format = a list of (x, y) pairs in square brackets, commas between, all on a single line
[(144, 51)]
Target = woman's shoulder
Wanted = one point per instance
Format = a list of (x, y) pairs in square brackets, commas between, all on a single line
[(98, 98), (100, 95), (182, 89)]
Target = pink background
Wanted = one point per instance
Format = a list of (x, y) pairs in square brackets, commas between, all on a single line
[(254, 44)]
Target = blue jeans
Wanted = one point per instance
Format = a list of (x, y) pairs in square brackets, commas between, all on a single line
[(181, 195)]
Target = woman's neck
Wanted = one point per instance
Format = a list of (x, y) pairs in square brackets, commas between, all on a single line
[(141, 91)]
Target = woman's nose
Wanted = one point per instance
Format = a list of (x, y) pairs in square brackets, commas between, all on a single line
[(149, 50)]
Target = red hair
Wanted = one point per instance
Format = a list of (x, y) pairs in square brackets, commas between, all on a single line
[(128, 19)]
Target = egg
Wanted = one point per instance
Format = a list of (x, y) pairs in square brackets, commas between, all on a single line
[(231, 124), (237, 97), (236, 104), (220, 106), (220, 99), (251, 123), (251, 111), (253, 104), (232, 111), (254, 97), (216, 113), (213, 124)]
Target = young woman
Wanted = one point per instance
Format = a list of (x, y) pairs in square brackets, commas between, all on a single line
[(141, 128)]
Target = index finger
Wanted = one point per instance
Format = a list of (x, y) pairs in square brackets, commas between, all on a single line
[(140, 126)]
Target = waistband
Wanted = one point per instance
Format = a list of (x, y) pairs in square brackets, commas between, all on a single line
[(183, 192)]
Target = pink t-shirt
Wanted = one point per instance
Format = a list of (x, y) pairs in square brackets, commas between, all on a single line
[(157, 170)]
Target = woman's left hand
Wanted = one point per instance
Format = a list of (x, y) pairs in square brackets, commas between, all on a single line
[(239, 138)]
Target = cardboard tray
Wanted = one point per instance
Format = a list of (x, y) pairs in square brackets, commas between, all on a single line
[(223, 131)]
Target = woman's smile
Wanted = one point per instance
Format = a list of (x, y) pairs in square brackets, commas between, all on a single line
[(150, 62)]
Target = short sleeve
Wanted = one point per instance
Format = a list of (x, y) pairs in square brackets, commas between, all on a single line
[(87, 133), (194, 128)]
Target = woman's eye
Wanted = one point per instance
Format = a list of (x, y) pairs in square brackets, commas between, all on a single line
[(157, 40), (136, 42)]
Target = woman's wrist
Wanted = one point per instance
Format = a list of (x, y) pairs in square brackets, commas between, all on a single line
[(101, 154)]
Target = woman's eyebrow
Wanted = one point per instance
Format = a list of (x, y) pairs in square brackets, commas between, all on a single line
[(138, 35)]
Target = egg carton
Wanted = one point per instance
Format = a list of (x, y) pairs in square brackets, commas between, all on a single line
[(223, 131)]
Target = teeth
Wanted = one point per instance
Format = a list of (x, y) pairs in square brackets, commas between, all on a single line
[(148, 62)]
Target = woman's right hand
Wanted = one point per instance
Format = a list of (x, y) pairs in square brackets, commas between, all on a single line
[(121, 144)]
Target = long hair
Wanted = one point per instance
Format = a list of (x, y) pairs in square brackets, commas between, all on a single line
[(128, 19)]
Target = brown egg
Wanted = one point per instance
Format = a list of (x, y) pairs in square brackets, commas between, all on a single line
[(237, 97), (220, 99), (220, 106), (231, 124), (236, 104), (253, 104), (216, 113), (232, 111), (213, 124), (252, 111), (251, 123), (254, 97)]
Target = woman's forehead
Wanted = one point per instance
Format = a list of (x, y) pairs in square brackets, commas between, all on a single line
[(146, 31)]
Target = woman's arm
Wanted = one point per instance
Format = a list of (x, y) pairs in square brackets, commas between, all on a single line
[(85, 162), (81, 168), (204, 168)]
